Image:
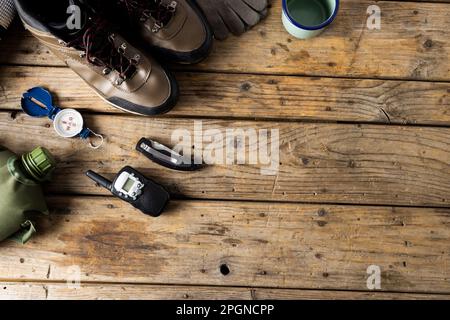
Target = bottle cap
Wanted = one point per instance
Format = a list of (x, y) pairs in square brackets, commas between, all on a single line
[(39, 164)]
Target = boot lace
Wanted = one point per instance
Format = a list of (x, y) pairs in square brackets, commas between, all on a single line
[(144, 9), (99, 48)]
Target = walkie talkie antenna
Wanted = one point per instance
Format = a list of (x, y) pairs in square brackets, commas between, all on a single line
[(102, 181)]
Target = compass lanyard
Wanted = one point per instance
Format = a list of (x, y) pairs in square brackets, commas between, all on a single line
[(68, 123)]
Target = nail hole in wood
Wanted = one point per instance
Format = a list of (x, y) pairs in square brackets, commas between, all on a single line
[(224, 270)]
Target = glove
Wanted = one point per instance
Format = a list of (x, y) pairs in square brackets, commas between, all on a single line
[(7, 13), (235, 16)]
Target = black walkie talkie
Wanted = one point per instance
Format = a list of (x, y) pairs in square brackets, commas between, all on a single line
[(134, 188)]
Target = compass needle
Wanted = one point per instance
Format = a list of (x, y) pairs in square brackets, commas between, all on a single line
[(38, 103)]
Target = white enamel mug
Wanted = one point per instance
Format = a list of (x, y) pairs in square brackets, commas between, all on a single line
[(305, 19)]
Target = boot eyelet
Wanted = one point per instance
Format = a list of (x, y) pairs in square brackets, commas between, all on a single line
[(157, 27), (122, 48), (135, 60), (173, 6), (82, 54), (106, 71), (119, 81), (63, 43)]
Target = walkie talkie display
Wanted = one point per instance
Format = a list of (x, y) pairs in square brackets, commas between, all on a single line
[(134, 188)]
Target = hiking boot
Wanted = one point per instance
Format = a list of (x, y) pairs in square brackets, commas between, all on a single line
[(175, 30), (122, 75)]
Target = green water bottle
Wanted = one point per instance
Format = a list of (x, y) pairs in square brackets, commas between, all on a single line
[(21, 195)]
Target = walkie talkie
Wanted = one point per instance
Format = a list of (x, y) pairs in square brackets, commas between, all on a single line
[(134, 188)]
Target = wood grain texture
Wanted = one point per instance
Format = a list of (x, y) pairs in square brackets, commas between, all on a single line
[(331, 163), (274, 249), (416, 35), (55, 291), (261, 97), (263, 245)]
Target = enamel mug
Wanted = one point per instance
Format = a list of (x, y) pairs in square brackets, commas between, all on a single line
[(305, 19)]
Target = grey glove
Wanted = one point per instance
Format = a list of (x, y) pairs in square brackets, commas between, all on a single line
[(7, 12), (235, 16)]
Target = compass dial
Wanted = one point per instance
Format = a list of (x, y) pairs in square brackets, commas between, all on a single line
[(68, 123)]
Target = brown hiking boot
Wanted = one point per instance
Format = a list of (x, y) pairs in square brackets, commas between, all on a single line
[(122, 75), (176, 30)]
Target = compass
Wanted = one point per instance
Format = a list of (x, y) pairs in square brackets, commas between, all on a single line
[(68, 123)]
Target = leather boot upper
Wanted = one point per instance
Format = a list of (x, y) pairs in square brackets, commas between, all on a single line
[(120, 73), (175, 29), (184, 32)]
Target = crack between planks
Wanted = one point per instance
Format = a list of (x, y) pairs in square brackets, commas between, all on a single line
[(268, 74), (179, 198), (203, 285), (400, 124)]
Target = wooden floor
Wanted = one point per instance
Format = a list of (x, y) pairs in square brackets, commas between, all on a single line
[(364, 178)]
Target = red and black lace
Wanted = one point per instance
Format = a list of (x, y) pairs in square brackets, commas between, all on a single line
[(97, 41)]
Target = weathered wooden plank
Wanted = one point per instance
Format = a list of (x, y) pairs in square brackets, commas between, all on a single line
[(262, 245), (247, 96), (412, 44), (55, 291), (332, 163)]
